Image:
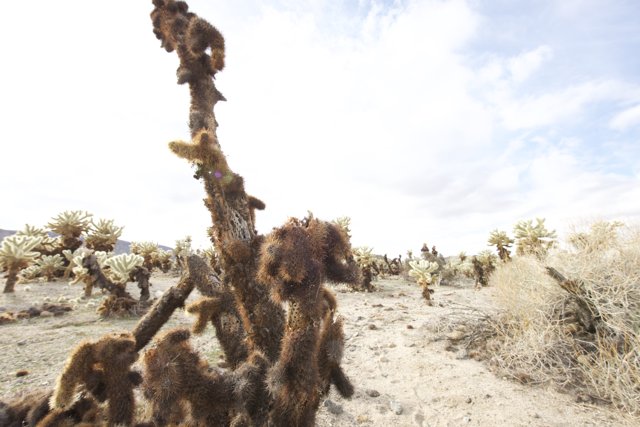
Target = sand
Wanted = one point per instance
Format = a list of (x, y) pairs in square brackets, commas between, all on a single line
[(405, 370)]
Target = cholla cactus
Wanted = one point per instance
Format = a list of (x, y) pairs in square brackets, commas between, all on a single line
[(426, 273), (533, 239), (48, 243), (602, 235), (121, 266), (365, 260), (16, 253), (502, 242), (70, 225), (103, 235), (483, 265), (28, 274), (80, 271), (463, 256), (182, 250), (49, 265), (147, 250), (162, 259), (344, 222)]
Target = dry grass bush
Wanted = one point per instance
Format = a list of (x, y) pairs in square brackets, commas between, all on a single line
[(582, 333)]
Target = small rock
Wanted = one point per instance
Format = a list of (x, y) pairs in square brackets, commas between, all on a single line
[(409, 326), (384, 359), (419, 418), (333, 407), (361, 419), (455, 335), (466, 419), (372, 327), (469, 400), (22, 373), (392, 345), (21, 343), (372, 393), (46, 314), (360, 318), (396, 407)]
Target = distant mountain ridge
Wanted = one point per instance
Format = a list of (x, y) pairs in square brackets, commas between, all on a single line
[(122, 246)]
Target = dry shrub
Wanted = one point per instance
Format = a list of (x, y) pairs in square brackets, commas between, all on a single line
[(582, 333)]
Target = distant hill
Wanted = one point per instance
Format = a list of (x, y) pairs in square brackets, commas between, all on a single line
[(122, 246)]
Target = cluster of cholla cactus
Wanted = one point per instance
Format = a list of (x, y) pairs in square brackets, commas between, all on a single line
[(276, 322), (76, 231), (111, 273), (427, 275), (154, 257)]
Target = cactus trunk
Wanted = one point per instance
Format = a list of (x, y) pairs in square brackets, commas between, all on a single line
[(12, 278)]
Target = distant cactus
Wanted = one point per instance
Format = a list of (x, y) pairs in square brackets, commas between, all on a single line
[(81, 272), (344, 222), (48, 244), (28, 274), (483, 265), (122, 266), (533, 239), (102, 235), (70, 225), (601, 236), (16, 253), (502, 242), (368, 267), (426, 274), (50, 265), (182, 250)]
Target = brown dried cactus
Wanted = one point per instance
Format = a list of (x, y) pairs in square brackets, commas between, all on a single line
[(295, 260), (104, 368), (205, 395)]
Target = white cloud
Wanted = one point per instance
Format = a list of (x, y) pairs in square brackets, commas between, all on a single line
[(524, 65), (626, 119)]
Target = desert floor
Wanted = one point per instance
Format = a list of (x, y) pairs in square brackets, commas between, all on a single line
[(397, 354)]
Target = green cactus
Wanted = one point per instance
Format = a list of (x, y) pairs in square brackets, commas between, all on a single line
[(426, 274), (502, 242), (533, 239)]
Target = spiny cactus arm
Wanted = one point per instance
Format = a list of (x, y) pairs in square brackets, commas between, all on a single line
[(78, 368), (173, 298), (204, 309)]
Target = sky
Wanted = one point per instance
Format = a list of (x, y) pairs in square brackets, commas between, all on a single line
[(431, 121)]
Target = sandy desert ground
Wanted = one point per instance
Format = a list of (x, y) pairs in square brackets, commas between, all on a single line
[(397, 353)]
